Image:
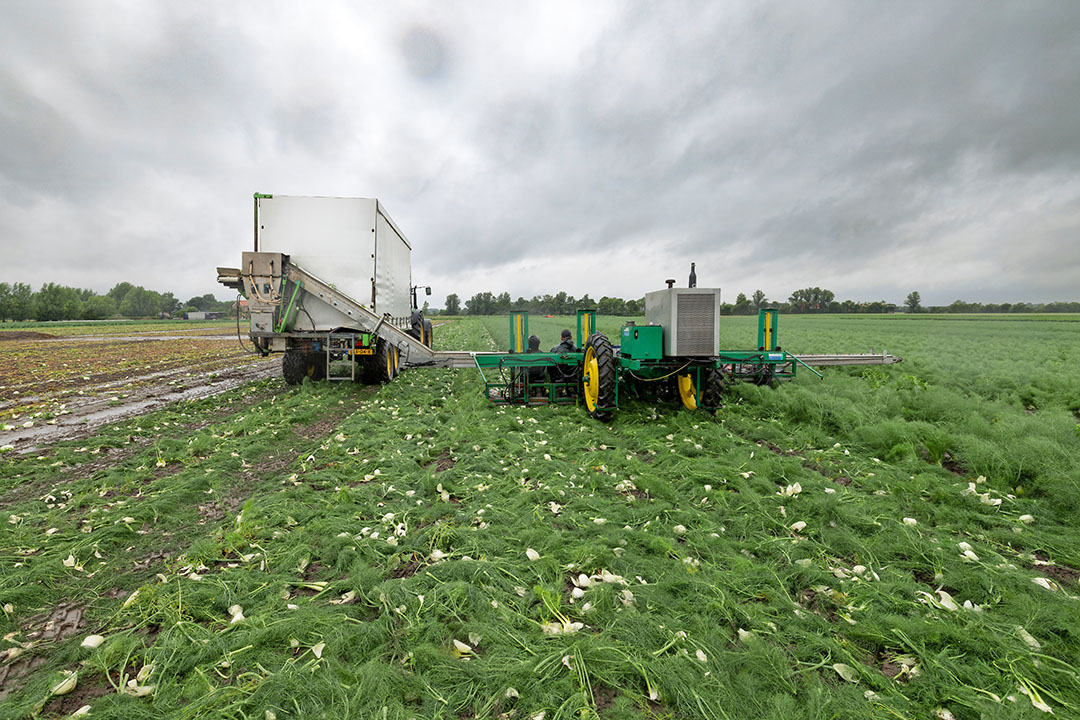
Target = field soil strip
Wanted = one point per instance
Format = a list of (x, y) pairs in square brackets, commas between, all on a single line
[(59, 388)]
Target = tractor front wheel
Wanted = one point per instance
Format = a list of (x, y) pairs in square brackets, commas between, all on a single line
[(294, 367), (598, 377), (687, 390)]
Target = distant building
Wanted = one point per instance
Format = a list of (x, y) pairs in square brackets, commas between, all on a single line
[(201, 315)]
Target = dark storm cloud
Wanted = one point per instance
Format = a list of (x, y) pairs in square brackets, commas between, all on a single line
[(866, 146)]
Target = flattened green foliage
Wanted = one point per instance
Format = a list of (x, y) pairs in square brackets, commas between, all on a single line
[(889, 542)]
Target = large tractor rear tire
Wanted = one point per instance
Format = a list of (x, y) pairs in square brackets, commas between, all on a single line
[(294, 367), (598, 377), (429, 338)]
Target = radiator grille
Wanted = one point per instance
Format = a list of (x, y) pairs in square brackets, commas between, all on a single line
[(695, 323)]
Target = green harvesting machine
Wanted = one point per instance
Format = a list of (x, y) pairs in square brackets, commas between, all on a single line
[(675, 357)]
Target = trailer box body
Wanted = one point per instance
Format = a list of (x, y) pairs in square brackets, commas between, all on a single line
[(349, 243), (690, 318)]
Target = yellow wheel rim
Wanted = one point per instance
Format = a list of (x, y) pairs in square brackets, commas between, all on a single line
[(591, 382), (687, 392), (389, 363), (397, 360)]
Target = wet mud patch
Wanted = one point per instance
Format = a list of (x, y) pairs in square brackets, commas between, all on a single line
[(443, 462), (87, 690), (406, 569), (603, 698), (1061, 574), (24, 335), (44, 629)]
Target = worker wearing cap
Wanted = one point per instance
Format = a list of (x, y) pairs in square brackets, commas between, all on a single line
[(567, 344), (564, 373)]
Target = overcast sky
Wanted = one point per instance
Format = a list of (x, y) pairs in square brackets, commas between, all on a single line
[(593, 147)]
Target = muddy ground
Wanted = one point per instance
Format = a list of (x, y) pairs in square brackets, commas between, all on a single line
[(70, 405)]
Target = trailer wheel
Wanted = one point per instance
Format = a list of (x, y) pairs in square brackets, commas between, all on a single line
[(382, 365), (598, 377), (316, 366), (294, 367), (713, 395)]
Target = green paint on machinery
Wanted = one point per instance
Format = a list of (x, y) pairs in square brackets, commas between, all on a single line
[(675, 357)]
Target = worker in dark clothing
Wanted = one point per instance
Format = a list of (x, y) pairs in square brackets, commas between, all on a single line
[(693, 277), (567, 344), (533, 373), (564, 373), (537, 373)]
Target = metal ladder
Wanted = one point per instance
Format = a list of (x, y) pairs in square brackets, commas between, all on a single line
[(341, 347)]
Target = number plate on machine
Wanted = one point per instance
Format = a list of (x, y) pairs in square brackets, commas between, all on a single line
[(364, 351)]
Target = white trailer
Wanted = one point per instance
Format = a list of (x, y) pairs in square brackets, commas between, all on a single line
[(329, 279)]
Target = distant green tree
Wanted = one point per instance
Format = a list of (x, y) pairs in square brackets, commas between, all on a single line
[(57, 302), (169, 303), (139, 302), (453, 304), (742, 305), (98, 307), (22, 302), (480, 304), (119, 290), (758, 298), (502, 303), (611, 306), (913, 302), (812, 299), (5, 301), (204, 303)]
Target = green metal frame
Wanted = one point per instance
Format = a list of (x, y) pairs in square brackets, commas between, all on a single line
[(768, 329), (518, 388), (511, 384), (288, 310), (586, 326), (519, 331)]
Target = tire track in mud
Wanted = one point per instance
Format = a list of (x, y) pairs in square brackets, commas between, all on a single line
[(84, 417)]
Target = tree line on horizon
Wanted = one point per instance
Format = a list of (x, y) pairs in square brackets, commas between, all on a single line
[(805, 300), (19, 302)]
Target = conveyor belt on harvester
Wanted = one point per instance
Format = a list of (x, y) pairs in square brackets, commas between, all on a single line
[(415, 352)]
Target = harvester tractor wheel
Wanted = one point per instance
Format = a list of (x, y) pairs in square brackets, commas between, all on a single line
[(598, 377), (428, 337), (294, 367), (688, 390), (382, 366), (316, 365), (712, 397)]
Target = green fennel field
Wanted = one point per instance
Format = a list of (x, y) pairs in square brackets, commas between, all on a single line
[(889, 542)]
